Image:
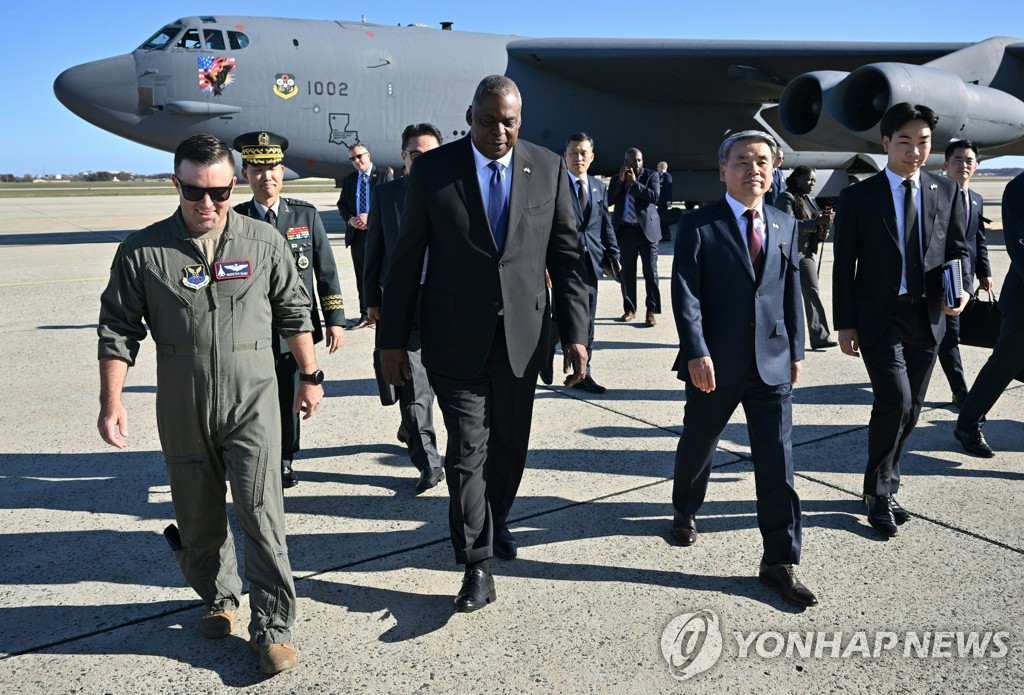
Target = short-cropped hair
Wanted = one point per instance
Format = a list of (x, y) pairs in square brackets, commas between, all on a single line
[(415, 130), (756, 135), (961, 145), (579, 137), (902, 113), (204, 150)]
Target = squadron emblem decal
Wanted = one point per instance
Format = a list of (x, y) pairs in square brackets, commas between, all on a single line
[(216, 73), (195, 277), (284, 85)]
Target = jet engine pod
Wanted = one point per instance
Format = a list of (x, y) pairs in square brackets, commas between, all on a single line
[(859, 101), (803, 113)]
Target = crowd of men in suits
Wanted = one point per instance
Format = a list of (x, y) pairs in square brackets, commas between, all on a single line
[(474, 263)]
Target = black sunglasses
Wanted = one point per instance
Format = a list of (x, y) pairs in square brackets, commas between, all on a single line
[(218, 194)]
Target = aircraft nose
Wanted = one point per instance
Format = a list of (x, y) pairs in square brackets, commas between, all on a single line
[(104, 92)]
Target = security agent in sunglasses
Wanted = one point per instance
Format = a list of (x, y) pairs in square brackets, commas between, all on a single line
[(208, 284), (299, 223)]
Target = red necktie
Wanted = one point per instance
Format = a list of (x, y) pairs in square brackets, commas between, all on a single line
[(754, 246)]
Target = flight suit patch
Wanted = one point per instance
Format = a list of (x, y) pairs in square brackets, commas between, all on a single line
[(232, 270), (296, 233), (195, 277)]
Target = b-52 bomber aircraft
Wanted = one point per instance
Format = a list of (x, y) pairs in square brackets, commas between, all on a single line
[(327, 85)]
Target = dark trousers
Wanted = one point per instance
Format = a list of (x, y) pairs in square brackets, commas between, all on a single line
[(817, 324), (899, 366), (287, 370), (1006, 362), (949, 358), (633, 243), (358, 249), (592, 294), (488, 419), (769, 412), (416, 404)]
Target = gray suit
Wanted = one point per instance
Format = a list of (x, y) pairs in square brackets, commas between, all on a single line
[(484, 316), (753, 331), (415, 397)]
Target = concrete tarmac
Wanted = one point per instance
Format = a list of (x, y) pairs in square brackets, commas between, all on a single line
[(92, 600)]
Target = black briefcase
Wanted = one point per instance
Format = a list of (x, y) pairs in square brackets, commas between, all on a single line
[(611, 267), (388, 393), (980, 321)]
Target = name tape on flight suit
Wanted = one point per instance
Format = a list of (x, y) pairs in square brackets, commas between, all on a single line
[(232, 270)]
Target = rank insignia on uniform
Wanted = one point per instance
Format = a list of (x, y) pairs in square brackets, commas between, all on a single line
[(232, 270), (302, 262), (195, 277), (295, 233)]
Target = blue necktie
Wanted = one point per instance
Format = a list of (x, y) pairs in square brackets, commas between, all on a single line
[(497, 209), (362, 194)]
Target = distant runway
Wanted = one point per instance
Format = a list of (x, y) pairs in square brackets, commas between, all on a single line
[(92, 600)]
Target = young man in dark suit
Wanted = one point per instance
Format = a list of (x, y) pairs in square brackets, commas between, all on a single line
[(415, 397), (960, 165), (354, 208), (495, 212), (893, 233), (743, 346), (634, 193)]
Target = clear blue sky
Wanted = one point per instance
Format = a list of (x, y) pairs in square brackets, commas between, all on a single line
[(44, 38)]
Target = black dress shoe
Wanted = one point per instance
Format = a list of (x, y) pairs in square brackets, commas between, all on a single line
[(547, 373), (402, 435), (974, 442), (783, 579), (899, 514), (429, 478), (288, 477), (588, 384), (880, 514), (477, 591), (504, 543), (684, 529), (825, 345)]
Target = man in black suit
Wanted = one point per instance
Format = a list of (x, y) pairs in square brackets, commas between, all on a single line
[(893, 233), (594, 225), (1007, 359), (495, 212), (415, 397), (300, 225), (741, 346), (778, 179), (634, 192), (354, 208), (960, 165), (664, 200)]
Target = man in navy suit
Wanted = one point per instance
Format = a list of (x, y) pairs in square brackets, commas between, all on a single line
[(1007, 358), (961, 163), (742, 345), (594, 224), (635, 192), (778, 180), (887, 294)]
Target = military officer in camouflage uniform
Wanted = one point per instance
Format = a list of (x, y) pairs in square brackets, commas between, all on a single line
[(300, 225), (209, 283)]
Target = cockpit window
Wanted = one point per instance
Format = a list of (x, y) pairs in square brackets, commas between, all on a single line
[(190, 39), (237, 40), (214, 39), (162, 38)]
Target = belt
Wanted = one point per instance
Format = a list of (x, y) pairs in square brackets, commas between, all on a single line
[(629, 224), (908, 299)]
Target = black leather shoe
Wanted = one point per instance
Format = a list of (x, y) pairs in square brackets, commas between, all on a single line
[(402, 435), (974, 443), (547, 373), (899, 514), (477, 591), (823, 346), (684, 529), (783, 579), (288, 477), (588, 384), (429, 478), (504, 543), (880, 514)]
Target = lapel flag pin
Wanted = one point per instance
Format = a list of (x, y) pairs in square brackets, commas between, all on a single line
[(933, 186), (774, 226), (526, 170)]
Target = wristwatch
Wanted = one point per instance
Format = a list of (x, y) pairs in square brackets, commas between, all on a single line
[(315, 378)]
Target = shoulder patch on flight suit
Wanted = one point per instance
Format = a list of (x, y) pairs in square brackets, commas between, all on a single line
[(195, 277), (295, 233), (232, 270)]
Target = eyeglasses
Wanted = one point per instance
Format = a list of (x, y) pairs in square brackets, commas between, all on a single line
[(218, 194), (357, 156), (413, 154)]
